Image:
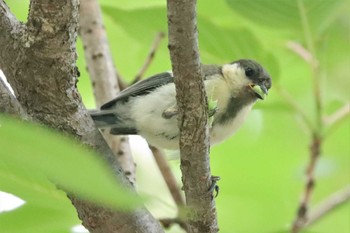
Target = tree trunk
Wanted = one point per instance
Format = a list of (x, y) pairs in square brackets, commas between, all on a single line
[(193, 116), (38, 59)]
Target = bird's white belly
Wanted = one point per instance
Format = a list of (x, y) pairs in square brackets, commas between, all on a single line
[(158, 131), (148, 110), (220, 132)]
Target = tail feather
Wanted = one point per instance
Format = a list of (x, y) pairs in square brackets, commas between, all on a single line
[(109, 119), (104, 119)]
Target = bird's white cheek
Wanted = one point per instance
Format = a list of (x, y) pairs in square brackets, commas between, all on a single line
[(231, 70), (221, 132), (235, 78)]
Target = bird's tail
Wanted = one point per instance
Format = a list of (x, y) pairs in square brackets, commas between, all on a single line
[(104, 118), (110, 119)]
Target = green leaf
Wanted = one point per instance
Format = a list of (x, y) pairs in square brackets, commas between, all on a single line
[(221, 45), (262, 175), (153, 20), (32, 218), (285, 14), (31, 156), (131, 40), (334, 58), (218, 45), (135, 4)]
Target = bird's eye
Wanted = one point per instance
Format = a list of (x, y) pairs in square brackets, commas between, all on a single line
[(249, 72)]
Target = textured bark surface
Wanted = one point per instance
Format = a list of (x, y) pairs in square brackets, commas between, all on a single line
[(9, 103), (103, 76), (193, 117), (38, 59)]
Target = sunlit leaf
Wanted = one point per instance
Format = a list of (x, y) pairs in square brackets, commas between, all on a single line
[(221, 45), (32, 156), (135, 4), (285, 14), (153, 20), (262, 165), (32, 218)]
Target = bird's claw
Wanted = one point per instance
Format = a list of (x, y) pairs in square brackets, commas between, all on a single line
[(170, 112), (211, 112), (214, 187)]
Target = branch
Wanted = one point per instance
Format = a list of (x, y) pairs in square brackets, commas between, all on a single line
[(193, 115), (328, 205), (150, 56), (314, 64), (43, 70), (296, 107), (309, 54), (103, 76), (9, 103), (309, 57), (97, 52), (338, 115), (315, 151), (8, 23), (333, 120), (301, 51), (168, 177), (173, 188), (10, 40)]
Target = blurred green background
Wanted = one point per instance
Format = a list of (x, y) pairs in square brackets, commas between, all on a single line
[(262, 166)]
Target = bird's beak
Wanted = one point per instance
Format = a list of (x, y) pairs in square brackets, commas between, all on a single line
[(260, 90)]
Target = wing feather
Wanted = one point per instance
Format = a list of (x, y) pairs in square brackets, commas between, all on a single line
[(141, 88), (145, 86)]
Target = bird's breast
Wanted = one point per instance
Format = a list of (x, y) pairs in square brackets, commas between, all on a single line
[(224, 129)]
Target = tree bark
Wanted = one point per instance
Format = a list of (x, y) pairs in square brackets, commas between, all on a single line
[(193, 115), (104, 77), (9, 103), (38, 59)]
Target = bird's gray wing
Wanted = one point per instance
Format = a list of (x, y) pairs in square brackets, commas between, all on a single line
[(147, 85), (141, 88)]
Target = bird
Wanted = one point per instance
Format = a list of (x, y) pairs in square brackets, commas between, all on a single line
[(148, 107)]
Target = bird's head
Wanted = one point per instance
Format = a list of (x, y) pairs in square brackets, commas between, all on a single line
[(247, 76)]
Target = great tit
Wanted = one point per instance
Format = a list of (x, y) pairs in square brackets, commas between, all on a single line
[(148, 107)]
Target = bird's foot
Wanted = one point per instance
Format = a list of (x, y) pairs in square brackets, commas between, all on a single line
[(211, 112), (214, 187), (170, 112)]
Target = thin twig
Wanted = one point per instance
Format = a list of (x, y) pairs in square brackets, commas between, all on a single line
[(152, 52), (338, 115), (308, 56), (168, 177), (173, 188), (332, 202), (121, 82), (317, 131), (314, 63), (300, 50), (290, 100), (333, 120), (302, 215)]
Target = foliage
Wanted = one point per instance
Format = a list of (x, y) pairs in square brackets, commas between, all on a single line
[(33, 160), (262, 166)]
